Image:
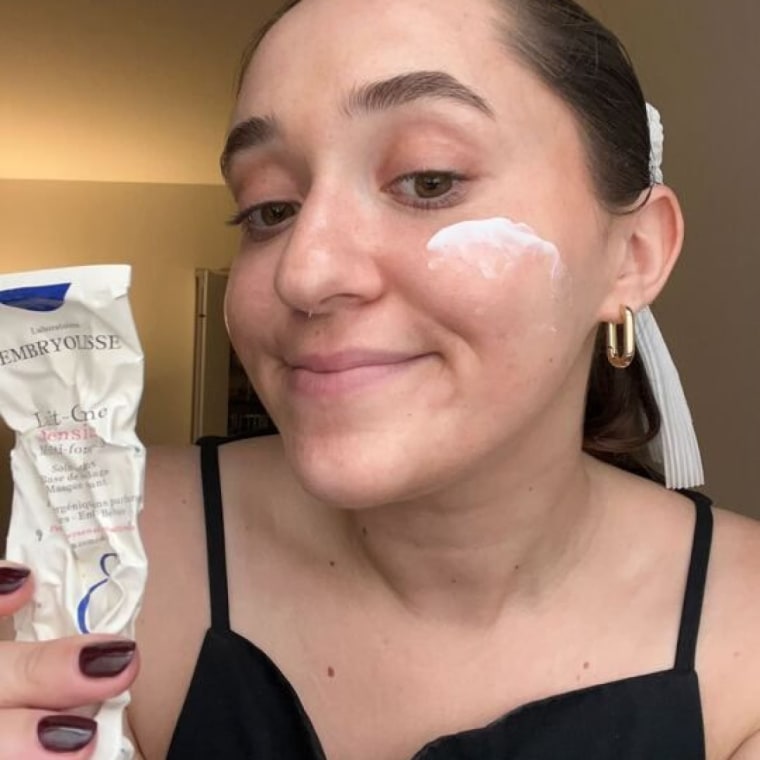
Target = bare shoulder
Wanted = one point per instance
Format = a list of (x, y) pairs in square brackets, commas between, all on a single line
[(176, 609), (171, 522), (734, 575), (729, 656), (174, 614), (171, 525), (172, 474)]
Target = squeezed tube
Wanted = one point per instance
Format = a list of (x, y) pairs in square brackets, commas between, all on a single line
[(71, 378)]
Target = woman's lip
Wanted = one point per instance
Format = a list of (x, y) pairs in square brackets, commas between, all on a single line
[(343, 361), (345, 373)]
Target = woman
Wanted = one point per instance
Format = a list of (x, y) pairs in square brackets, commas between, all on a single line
[(442, 555)]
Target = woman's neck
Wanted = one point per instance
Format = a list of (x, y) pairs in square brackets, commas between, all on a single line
[(466, 554)]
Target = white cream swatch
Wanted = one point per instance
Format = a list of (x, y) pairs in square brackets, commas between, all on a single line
[(490, 246)]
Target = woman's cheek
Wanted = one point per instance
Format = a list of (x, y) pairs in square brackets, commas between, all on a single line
[(491, 247), (502, 270), (247, 306)]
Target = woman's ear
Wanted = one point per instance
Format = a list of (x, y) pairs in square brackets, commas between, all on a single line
[(652, 242)]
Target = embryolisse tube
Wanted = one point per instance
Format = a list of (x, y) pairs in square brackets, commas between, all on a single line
[(71, 378)]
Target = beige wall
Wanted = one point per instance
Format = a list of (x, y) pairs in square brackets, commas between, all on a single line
[(164, 232), (115, 91)]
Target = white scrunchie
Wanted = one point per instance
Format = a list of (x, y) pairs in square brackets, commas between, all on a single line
[(675, 447), (657, 139)]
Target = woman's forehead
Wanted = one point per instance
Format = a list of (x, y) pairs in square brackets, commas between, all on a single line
[(328, 20), (329, 45), (327, 60)]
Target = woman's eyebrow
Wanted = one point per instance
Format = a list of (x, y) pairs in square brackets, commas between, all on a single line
[(257, 130), (368, 98), (405, 88)]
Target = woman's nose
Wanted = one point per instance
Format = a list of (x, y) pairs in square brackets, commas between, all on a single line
[(329, 261)]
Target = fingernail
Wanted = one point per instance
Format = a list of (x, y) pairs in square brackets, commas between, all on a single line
[(107, 659), (12, 578), (66, 733)]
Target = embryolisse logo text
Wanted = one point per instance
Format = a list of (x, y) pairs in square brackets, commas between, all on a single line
[(47, 346)]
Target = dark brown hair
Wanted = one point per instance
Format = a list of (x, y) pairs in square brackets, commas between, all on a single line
[(586, 65)]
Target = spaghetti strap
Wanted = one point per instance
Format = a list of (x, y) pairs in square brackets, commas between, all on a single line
[(215, 549), (686, 649)]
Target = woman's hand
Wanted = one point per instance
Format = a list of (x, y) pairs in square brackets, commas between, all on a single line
[(47, 689)]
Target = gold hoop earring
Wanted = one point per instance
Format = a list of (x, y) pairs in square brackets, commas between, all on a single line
[(615, 357)]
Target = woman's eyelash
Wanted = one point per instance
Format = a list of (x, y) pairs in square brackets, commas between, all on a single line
[(430, 173), (236, 219), (240, 216)]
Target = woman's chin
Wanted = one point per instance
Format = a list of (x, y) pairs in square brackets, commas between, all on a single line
[(349, 476), (337, 485)]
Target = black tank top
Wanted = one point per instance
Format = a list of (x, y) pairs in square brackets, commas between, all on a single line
[(241, 707)]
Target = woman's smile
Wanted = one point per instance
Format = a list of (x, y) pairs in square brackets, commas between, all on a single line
[(350, 371)]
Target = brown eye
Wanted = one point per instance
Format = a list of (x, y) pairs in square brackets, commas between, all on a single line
[(433, 184), (429, 190), (273, 214), (266, 220)]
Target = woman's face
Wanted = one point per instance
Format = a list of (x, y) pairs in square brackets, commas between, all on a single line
[(423, 259)]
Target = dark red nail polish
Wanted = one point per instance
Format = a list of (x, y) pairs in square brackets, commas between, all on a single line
[(107, 659), (12, 578), (66, 733)]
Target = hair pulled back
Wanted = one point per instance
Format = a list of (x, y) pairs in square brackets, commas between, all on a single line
[(587, 66)]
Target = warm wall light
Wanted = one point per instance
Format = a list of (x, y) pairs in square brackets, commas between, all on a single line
[(118, 92), (76, 144)]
